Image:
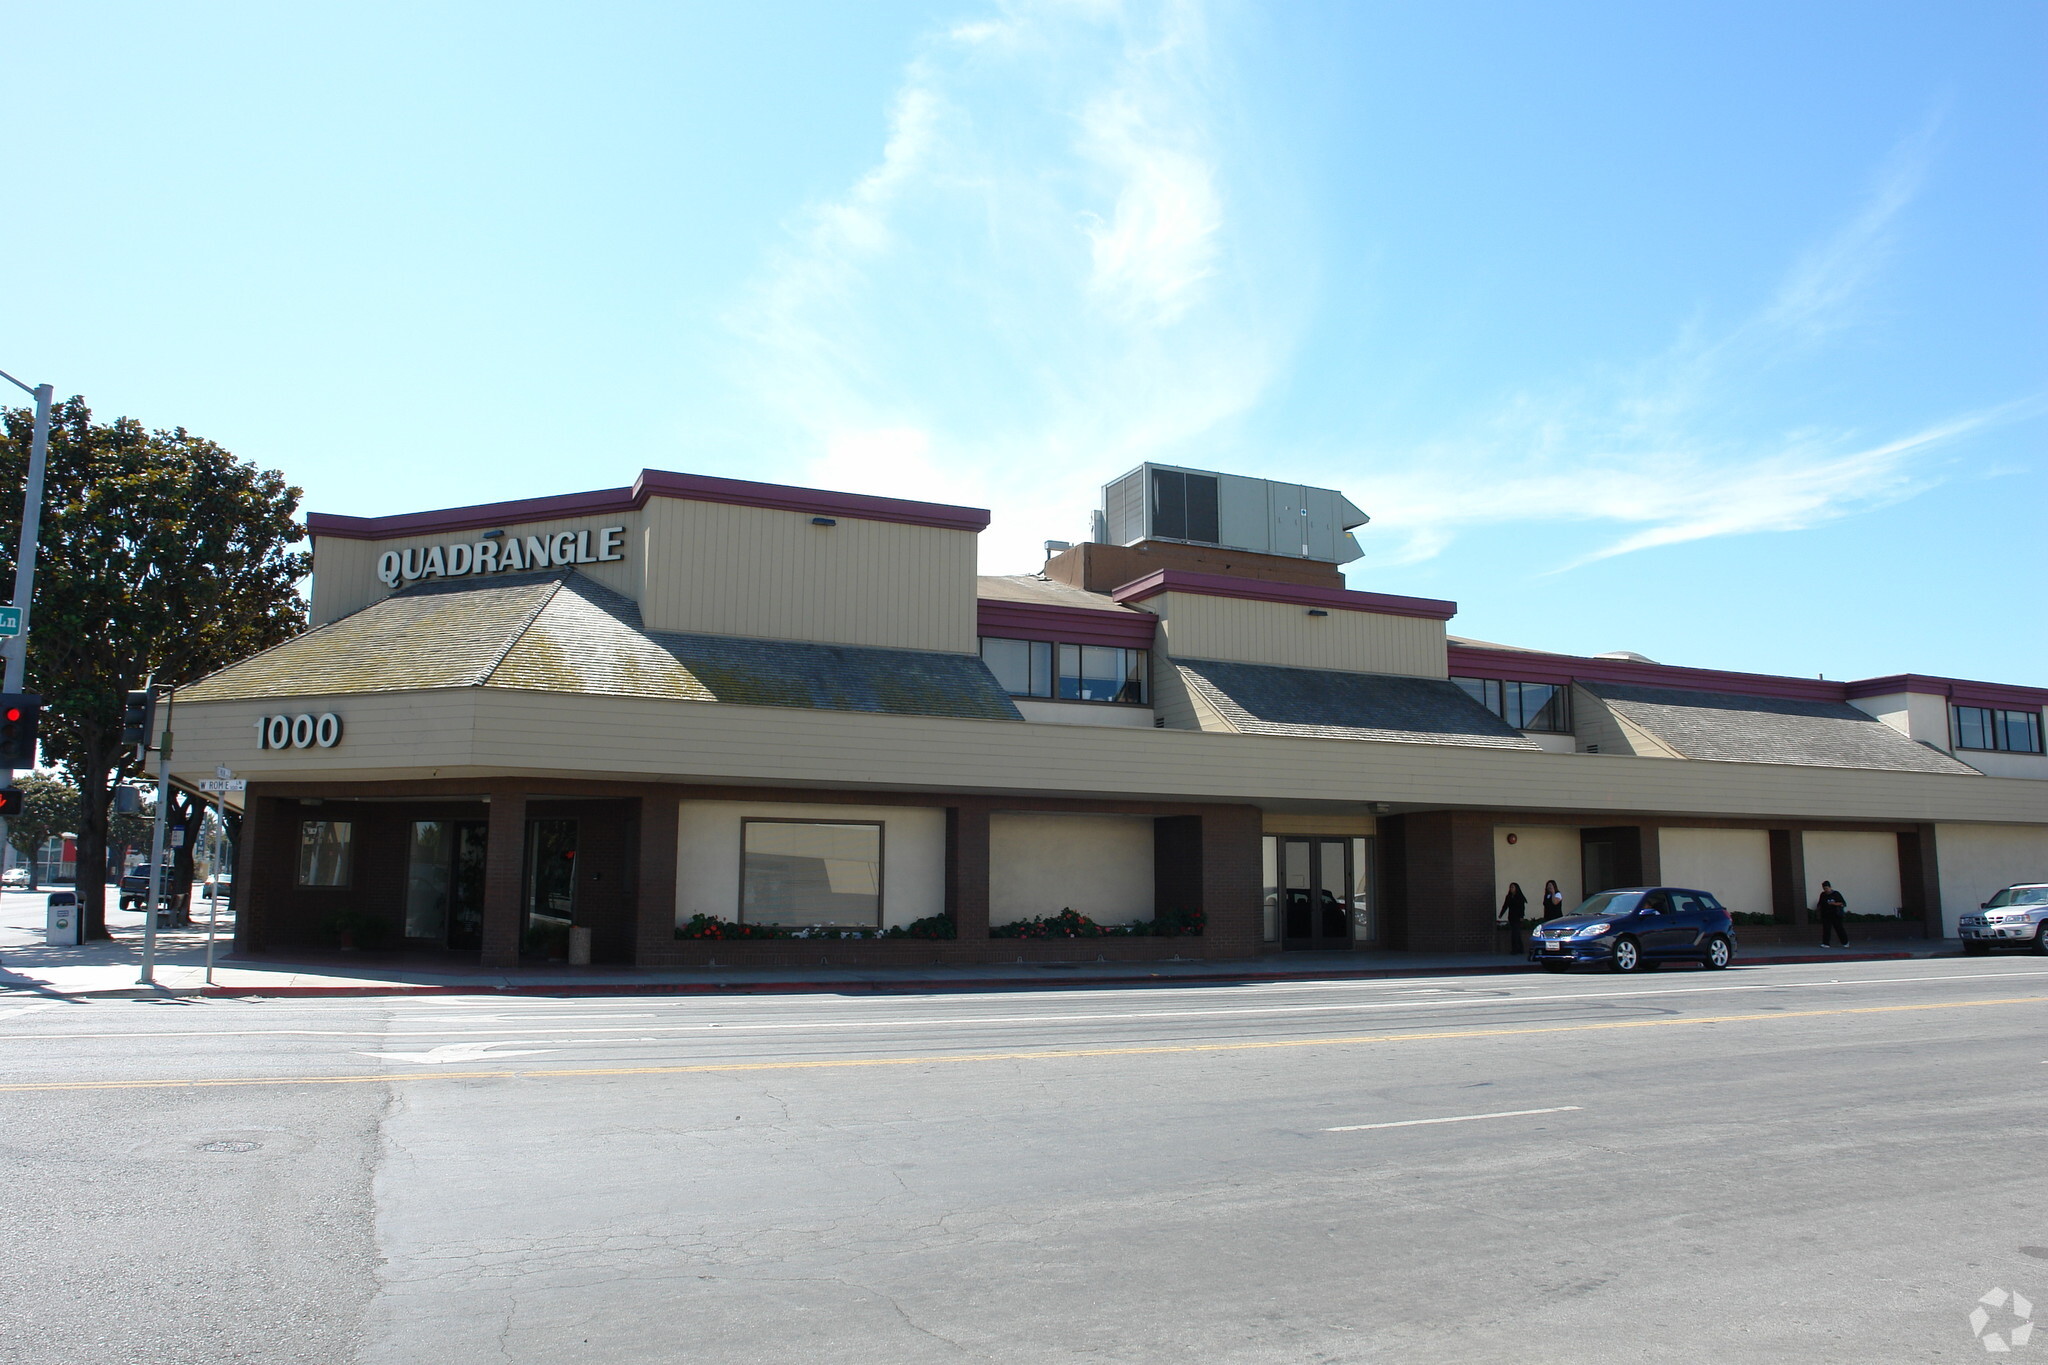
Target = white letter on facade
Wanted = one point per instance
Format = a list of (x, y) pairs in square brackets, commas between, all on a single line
[(537, 552), (411, 567), (583, 555), (510, 556), (486, 556), (458, 560), (327, 730), (562, 547), (607, 541), (389, 565), (435, 564)]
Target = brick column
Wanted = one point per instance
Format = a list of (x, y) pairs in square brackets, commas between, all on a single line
[(967, 870), (655, 914), (251, 886), (504, 878), (1233, 881), (1920, 878)]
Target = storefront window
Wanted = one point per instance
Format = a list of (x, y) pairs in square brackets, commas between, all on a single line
[(1102, 673), (324, 852), (811, 873), (429, 866), (1023, 667)]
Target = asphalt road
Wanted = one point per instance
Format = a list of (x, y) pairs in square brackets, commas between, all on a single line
[(1786, 1163)]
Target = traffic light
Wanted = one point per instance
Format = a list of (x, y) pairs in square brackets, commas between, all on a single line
[(138, 718), (10, 802), (19, 714)]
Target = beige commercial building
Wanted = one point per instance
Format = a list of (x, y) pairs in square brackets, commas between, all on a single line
[(702, 719)]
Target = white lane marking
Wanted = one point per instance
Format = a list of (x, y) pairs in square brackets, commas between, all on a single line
[(505, 1018), (1456, 1118), (30, 1009), (460, 1052), (1488, 998)]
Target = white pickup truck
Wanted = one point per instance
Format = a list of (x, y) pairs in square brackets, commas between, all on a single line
[(2016, 917)]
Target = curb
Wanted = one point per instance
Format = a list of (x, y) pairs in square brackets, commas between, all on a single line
[(873, 987)]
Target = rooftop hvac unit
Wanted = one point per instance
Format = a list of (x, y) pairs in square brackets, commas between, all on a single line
[(1202, 507)]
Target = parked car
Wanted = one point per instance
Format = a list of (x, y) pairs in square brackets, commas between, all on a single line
[(14, 878), (2017, 917), (135, 888), (1637, 928), (221, 883)]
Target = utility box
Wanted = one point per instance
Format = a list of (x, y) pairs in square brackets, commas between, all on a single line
[(579, 945), (61, 928), (1202, 507)]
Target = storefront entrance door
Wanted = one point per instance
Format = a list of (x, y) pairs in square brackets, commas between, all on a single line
[(550, 887), (1316, 881), (444, 884)]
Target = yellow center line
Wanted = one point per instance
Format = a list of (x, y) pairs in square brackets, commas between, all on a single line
[(1041, 1055)]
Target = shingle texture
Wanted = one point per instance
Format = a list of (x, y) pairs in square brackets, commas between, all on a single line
[(1317, 704), (1037, 591), (1736, 729), (562, 632)]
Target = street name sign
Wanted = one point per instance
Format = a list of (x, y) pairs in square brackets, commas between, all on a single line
[(10, 622), (223, 784)]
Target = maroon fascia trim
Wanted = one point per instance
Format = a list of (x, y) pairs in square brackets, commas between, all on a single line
[(1955, 689), (652, 483), (1069, 625), (1468, 661), (1225, 585)]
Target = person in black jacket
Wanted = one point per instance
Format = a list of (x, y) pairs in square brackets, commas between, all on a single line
[(1512, 907), (1831, 907), (1553, 901)]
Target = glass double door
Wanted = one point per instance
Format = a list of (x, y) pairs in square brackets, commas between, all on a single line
[(1318, 893)]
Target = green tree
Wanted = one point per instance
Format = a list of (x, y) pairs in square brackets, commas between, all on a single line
[(161, 553), (49, 807)]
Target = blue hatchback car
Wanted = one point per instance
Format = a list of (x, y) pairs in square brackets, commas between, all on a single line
[(1637, 928)]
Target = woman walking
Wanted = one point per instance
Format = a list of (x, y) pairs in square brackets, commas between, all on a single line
[(1512, 907), (1553, 901)]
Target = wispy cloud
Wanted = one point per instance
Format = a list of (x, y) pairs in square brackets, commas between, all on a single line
[(1667, 451), (1050, 274), (1034, 286)]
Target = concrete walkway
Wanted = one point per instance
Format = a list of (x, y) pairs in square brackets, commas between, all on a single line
[(111, 969)]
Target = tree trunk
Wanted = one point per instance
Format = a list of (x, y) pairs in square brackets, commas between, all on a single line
[(95, 798), (184, 813)]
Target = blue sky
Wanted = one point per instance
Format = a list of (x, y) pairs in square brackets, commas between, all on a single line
[(1711, 331)]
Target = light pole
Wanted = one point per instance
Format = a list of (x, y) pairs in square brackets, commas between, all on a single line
[(16, 649)]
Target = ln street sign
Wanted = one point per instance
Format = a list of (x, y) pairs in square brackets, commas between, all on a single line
[(10, 621), (223, 784)]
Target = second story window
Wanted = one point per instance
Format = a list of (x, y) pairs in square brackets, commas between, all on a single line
[(1981, 727), (1023, 667), (1102, 673), (1524, 705), (1039, 668)]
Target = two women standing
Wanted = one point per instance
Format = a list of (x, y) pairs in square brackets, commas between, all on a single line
[(1514, 907)]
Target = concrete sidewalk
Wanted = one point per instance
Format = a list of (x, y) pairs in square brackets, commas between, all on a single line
[(110, 969)]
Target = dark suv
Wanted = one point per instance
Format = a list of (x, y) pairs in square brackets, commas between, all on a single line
[(1638, 928)]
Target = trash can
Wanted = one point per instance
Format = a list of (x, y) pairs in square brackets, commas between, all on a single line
[(61, 928)]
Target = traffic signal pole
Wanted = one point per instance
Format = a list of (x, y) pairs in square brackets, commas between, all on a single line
[(16, 649), (156, 851)]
